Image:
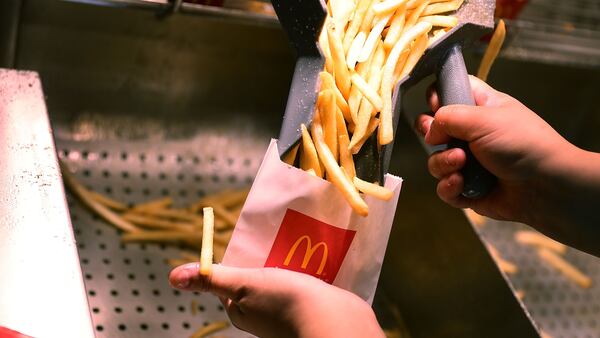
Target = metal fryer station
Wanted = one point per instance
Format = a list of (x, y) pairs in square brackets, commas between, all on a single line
[(144, 106)]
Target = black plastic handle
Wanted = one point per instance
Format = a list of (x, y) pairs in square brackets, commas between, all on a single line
[(454, 88)]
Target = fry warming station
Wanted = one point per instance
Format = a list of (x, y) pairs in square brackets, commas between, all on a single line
[(151, 98)]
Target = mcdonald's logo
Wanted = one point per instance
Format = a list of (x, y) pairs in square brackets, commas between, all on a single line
[(307, 245), (310, 251)]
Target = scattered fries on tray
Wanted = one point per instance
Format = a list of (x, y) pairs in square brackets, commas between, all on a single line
[(369, 46), (158, 221)]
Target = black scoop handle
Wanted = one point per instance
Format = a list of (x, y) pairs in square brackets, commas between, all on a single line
[(454, 88)]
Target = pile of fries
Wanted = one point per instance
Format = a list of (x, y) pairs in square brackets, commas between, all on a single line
[(368, 46), (548, 250), (158, 221)]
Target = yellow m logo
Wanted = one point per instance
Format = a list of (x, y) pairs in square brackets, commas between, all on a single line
[(310, 251)]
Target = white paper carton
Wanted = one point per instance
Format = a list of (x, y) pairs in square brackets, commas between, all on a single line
[(300, 222)]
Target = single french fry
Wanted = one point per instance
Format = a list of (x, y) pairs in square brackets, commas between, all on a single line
[(396, 28), (84, 195), (341, 125), (327, 113), (367, 22), (400, 65), (440, 20), (387, 7), (536, 239), (324, 45), (366, 110), (108, 202), (442, 7), (341, 11), (566, 268), (492, 51), (175, 214), (342, 75), (346, 159), (368, 92), (355, 98), (413, 18), (154, 223), (415, 55), (158, 203), (290, 157), (355, 49), (327, 82), (373, 124), (194, 307), (386, 128), (309, 158), (372, 189), (311, 171), (355, 23), (374, 37), (336, 174), (206, 254), (210, 329)]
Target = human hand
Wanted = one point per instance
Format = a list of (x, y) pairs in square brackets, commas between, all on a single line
[(507, 138), (272, 302)]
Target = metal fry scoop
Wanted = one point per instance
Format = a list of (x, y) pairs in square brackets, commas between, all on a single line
[(303, 20)]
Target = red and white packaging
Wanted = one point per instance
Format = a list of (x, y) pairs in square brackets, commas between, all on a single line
[(296, 221)]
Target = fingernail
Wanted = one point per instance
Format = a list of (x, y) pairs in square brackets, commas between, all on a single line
[(451, 158), (184, 278), (425, 126)]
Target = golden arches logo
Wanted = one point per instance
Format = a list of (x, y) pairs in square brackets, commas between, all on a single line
[(310, 251)]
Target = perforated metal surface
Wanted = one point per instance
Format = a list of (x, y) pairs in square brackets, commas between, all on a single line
[(560, 307), (127, 284)]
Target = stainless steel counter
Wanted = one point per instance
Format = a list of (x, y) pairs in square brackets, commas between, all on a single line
[(41, 288)]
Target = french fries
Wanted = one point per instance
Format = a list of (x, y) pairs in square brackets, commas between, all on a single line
[(386, 131), (492, 51), (210, 329), (335, 173), (206, 255), (309, 160), (388, 6), (368, 92), (373, 189), (538, 240), (566, 268)]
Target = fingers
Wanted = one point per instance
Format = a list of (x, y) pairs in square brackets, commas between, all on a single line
[(483, 94), (449, 190), (462, 122), (423, 123), (444, 163), (432, 97), (224, 281)]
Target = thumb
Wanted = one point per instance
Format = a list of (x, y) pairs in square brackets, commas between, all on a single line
[(456, 121), (224, 281)]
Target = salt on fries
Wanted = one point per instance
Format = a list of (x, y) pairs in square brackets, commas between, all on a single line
[(369, 45)]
